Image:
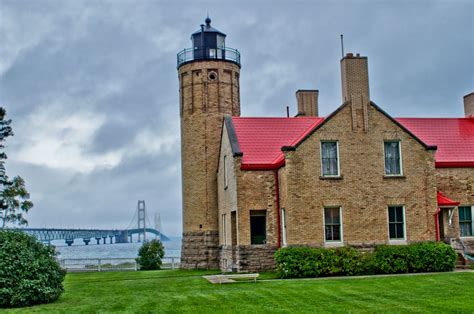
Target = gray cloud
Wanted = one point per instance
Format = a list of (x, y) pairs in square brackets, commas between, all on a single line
[(93, 93)]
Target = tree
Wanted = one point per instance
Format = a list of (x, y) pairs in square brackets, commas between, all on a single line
[(14, 198), (29, 271), (150, 255)]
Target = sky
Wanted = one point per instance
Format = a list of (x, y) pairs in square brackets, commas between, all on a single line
[(92, 86)]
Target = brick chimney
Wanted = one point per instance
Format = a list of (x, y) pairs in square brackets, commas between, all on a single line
[(355, 76), (355, 89), (307, 102), (469, 105)]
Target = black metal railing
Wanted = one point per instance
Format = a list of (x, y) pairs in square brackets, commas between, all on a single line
[(190, 54)]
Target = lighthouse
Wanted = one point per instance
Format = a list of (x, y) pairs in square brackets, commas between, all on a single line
[(209, 89)]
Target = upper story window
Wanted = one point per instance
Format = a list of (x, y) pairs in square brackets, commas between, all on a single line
[(396, 223), (393, 160), (225, 171), (465, 221), (330, 158)]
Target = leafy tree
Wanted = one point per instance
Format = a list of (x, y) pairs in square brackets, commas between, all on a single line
[(150, 255), (29, 271), (14, 198)]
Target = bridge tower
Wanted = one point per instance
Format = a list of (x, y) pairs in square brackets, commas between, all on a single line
[(209, 89), (141, 219)]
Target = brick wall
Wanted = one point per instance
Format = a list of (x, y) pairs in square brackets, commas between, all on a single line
[(458, 185), (203, 103), (363, 192)]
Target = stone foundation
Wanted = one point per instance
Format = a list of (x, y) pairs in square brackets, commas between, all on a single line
[(200, 249), (227, 258), (247, 258)]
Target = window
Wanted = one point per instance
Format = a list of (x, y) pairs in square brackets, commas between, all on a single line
[(392, 152), (332, 225), (330, 158), (258, 226), (396, 223), (283, 227), (224, 230), (465, 221), (225, 171)]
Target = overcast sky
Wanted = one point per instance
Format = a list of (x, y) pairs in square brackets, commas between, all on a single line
[(92, 86)]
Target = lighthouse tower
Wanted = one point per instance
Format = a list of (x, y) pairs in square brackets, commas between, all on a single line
[(208, 89)]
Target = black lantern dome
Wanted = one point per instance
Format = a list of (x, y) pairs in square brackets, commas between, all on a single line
[(208, 43)]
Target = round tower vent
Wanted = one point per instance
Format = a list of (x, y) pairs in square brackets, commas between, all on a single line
[(212, 76)]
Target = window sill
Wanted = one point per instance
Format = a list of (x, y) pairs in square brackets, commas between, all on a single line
[(394, 176), (333, 244), (331, 177), (397, 242)]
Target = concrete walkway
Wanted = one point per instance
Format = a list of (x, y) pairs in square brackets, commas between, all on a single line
[(214, 280)]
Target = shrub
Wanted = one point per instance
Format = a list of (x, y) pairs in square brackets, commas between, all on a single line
[(29, 272), (414, 258), (314, 262), (150, 255), (302, 262)]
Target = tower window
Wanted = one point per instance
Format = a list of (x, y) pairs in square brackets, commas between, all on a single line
[(225, 172), (212, 76)]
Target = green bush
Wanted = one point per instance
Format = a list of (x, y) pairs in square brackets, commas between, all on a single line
[(150, 255), (314, 262), (414, 258), (29, 272), (300, 262)]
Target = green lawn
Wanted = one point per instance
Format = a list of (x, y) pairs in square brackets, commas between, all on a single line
[(185, 291)]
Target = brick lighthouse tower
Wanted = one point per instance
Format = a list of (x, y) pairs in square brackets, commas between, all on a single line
[(208, 89)]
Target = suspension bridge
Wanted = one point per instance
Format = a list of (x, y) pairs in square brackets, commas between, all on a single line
[(139, 225)]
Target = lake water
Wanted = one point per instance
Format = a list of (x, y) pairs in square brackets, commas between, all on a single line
[(118, 250)]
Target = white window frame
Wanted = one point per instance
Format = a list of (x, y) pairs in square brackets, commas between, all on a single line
[(472, 222), (338, 159), (398, 240), (399, 153), (224, 230), (283, 228), (225, 172), (333, 242)]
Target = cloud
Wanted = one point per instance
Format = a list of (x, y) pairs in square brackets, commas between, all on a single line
[(92, 86), (57, 139)]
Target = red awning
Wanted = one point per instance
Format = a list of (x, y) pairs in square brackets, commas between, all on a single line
[(445, 201)]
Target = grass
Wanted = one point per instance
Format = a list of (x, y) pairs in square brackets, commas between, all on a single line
[(178, 291)]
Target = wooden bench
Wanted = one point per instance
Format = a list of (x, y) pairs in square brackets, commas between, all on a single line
[(228, 277)]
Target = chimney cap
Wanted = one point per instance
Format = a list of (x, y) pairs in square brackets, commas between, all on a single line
[(307, 90), (469, 95)]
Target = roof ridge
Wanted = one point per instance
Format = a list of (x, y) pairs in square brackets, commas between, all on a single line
[(281, 118)]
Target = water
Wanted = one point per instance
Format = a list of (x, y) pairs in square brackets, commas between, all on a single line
[(118, 250)]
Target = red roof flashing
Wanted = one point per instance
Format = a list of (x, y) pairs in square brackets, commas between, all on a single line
[(443, 200)]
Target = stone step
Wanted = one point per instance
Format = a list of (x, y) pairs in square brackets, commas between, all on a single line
[(462, 267)]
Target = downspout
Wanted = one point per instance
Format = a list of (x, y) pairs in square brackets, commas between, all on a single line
[(277, 202), (436, 214)]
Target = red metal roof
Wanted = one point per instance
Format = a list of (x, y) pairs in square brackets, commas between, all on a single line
[(443, 200), (261, 139), (453, 136)]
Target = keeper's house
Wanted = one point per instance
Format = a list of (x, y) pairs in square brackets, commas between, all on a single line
[(356, 177)]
